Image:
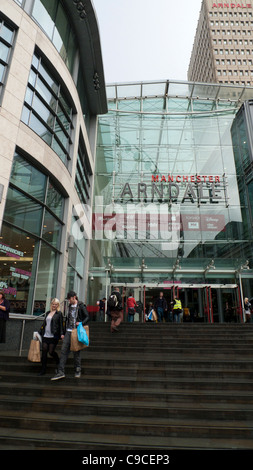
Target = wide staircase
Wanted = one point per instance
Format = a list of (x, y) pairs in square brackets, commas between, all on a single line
[(148, 386)]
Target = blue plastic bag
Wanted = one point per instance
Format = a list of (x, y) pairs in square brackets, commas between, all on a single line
[(82, 335)]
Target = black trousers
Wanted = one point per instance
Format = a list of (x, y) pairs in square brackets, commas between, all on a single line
[(2, 330), (48, 346)]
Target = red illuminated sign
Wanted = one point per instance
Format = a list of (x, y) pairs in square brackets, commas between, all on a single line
[(231, 5)]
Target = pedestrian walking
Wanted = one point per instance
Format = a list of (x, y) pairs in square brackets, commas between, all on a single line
[(131, 304), (77, 313), (114, 305)]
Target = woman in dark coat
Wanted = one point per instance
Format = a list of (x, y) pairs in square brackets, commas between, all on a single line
[(51, 331), (4, 316)]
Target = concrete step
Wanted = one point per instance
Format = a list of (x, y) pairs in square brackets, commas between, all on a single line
[(163, 427), (139, 370), (74, 389), (26, 439), (131, 382), (180, 410)]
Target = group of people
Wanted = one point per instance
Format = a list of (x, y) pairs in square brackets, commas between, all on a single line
[(172, 312), (158, 311)]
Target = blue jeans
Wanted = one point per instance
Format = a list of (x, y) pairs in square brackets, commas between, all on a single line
[(160, 314), (176, 316), (130, 317)]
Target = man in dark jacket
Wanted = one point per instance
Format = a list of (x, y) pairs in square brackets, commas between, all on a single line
[(77, 313), (160, 307)]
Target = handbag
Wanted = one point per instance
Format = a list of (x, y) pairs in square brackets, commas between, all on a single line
[(82, 334), (75, 344), (34, 351), (154, 315)]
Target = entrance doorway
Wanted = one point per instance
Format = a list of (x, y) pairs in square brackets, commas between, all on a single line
[(212, 303)]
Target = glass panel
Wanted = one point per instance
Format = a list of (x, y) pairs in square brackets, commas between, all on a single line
[(18, 262), (32, 78), (55, 201), (51, 230), (25, 115), (28, 178), (73, 281), (65, 104), (46, 279), (72, 48), (60, 36), (35, 61), (4, 51), (46, 94), (202, 91), (29, 96), (44, 13), (7, 33), (153, 89), (62, 117), (128, 91), (23, 212), (60, 152), (48, 78), (130, 105), (43, 112), (180, 89), (2, 69), (40, 129)]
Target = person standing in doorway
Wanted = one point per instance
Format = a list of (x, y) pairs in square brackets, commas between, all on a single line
[(177, 310), (77, 313), (131, 304), (161, 307), (114, 305)]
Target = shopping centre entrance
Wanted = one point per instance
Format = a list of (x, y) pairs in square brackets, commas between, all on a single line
[(210, 303)]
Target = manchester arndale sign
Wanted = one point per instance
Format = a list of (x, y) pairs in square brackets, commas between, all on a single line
[(231, 5), (178, 188)]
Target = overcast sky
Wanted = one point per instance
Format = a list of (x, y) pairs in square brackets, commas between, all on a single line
[(146, 40)]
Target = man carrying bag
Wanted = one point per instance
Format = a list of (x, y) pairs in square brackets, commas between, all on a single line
[(77, 313)]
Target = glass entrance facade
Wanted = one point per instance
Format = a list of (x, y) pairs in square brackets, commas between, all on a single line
[(167, 203)]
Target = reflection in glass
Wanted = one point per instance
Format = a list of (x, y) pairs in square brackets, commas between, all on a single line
[(51, 230), (54, 200), (44, 12), (16, 266), (53, 19), (23, 212), (4, 51), (43, 110), (37, 126), (46, 278), (27, 177), (2, 68)]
